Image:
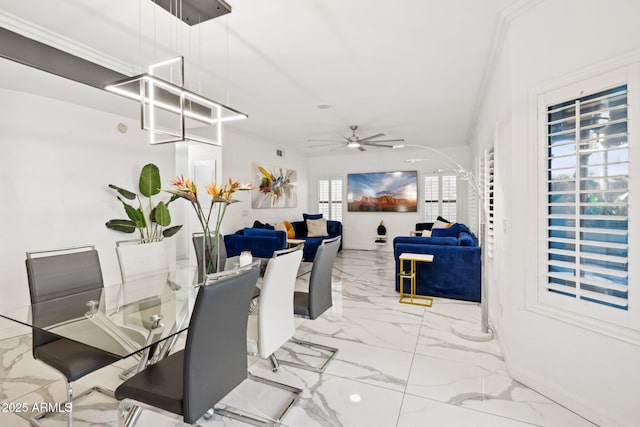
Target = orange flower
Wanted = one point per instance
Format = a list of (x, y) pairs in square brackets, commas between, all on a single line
[(184, 188), (213, 190)]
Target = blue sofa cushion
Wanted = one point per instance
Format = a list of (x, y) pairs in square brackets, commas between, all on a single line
[(258, 232), (466, 239), (334, 228), (311, 216), (260, 242)]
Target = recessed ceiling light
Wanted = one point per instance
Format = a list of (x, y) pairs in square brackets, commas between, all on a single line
[(323, 106)]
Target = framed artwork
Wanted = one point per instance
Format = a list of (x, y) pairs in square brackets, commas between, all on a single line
[(276, 187), (382, 192)]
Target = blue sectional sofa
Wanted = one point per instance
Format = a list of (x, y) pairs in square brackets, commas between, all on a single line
[(311, 245), (456, 268), (261, 242)]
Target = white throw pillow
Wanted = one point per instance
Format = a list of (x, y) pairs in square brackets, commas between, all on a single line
[(317, 227), (440, 224), (280, 227), (426, 233)]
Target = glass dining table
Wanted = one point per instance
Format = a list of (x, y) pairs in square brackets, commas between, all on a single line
[(137, 317), (121, 320)]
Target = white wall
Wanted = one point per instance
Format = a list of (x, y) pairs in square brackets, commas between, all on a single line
[(57, 160), (359, 228), (592, 374), (240, 152)]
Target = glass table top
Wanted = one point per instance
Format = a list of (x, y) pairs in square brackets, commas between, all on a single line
[(121, 320)]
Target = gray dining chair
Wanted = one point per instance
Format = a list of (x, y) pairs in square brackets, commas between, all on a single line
[(59, 273), (213, 362), (317, 300)]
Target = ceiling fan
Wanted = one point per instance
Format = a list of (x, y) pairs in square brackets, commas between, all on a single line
[(354, 141)]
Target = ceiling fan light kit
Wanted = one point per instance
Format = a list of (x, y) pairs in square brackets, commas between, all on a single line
[(354, 141)]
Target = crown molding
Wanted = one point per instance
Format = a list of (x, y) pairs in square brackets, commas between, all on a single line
[(506, 16), (43, 35)]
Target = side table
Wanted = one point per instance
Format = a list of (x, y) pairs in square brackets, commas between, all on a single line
[(411, 275)]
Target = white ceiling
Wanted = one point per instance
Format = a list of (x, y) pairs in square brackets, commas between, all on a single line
[(411, 69)]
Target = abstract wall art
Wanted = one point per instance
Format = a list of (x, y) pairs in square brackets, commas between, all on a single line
[(276, 187)]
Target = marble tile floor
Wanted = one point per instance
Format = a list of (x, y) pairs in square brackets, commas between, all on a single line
[(397, 365)]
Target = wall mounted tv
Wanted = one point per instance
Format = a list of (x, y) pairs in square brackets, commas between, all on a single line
[(382, 191)]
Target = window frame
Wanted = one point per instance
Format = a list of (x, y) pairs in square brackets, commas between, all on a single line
[(624, 325), (333, 199), (440, 200)]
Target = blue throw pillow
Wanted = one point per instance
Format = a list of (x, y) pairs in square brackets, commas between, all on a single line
[(258, 232), (452, 231), (257, 224), (311, 216)]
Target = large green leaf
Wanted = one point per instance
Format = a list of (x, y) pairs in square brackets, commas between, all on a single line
[(123, 225), (149, 180), (162, 215), (135, 215), (168, 232), (124, 193)]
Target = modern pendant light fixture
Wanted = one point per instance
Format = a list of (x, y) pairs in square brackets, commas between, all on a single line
[(168, 110)]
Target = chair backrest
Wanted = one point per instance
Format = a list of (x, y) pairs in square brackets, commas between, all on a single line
[(59, 273), (276, 324), (141, 258), (320, 281), (215, 358), (198, 245)]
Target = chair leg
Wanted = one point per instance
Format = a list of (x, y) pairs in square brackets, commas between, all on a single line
[(274, 363), (70, 402), (257, 420), (128, 413), (331, 350)]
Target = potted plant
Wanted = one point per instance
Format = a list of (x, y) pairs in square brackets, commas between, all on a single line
[(152, 222)]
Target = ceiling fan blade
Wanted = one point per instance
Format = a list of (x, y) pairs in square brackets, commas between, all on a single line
[(384, 140), (325, 145), (324, 140), (372, 137), (378, 145), (361, 148)]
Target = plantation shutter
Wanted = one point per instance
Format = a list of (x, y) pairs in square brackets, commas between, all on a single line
[(330, 198), (431, 198), (449, 197), (587, 193), (487, 174), (336, 199), (440, 197)]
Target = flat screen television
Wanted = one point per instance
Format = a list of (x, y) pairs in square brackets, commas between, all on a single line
[(382, 191)]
